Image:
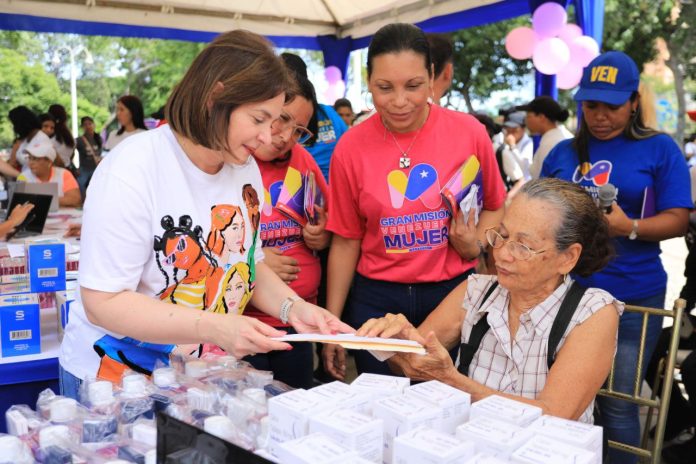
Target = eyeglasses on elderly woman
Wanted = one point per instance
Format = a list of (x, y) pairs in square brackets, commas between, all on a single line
[(299, 133), (518, 250)]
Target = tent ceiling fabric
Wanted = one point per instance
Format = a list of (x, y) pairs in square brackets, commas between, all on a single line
[(306, 18)]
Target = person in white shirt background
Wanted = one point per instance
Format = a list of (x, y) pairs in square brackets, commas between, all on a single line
[(545, 117), (131, 120), (517, 151)]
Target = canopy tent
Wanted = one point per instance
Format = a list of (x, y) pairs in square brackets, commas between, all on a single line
[(336, 27)]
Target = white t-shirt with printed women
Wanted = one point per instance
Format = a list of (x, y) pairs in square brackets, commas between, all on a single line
[(141, 196)]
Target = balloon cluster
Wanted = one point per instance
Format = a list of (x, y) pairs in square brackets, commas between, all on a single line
[(337, 86), (554, 46)]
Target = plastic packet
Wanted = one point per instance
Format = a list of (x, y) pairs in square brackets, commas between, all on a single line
[(15, 451), (21, 420)]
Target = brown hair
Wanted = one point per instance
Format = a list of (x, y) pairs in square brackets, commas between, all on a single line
[(245, 64), (581, 221)]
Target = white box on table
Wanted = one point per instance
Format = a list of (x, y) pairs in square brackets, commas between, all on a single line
[(401, 414), (316, 448), (429, 446), (381, 385), (494, 437), (455, 403), (579, 434), (505, 409), (543, 450), (363, 434), (289, 413), (485, 458), (345, 396)]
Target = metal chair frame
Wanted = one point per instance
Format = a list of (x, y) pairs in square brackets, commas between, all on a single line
[(651, 454)]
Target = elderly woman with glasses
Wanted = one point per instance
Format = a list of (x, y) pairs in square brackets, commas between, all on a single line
[(290, 239), (552, 228)]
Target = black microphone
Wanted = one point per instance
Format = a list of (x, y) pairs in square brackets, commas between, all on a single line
[(607, 195)]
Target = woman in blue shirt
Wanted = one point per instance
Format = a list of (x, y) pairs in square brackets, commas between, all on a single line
[(651, 182)]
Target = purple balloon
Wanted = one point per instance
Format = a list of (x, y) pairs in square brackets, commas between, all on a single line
[(569, 33), (332, 74), (548, 20), (569, 76)]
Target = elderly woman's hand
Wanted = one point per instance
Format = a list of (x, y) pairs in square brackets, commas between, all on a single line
[(462, 236), (620, 225), (436, 364), (389, 326)]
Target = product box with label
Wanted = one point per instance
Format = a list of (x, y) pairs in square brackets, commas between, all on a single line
[(455, 403), (428, 446), (20, 325), (544, 450), (289, 413), (46, 266), (316, 448), (485, 458), (579, 434), (505, 409), (346, 397), (363, 434), (401, 414), (381, 385), (494, 437)]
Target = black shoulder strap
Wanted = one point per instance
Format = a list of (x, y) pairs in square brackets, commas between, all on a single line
[(562, 319), (468, 350)]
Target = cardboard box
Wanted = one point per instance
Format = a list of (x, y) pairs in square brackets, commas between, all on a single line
[(505, 409), (20, 325), (346, 397), (402, 414), (543, 450), (455, 403), (484, 458), (497, 438), (359, 432), (428, 446), (578, 434), (316, 448), (381, 385), (46, 266), (289, 414)]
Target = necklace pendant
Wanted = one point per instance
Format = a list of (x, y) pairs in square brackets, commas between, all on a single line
[(404, 162)]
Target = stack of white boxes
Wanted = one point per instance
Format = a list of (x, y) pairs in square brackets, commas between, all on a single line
[(382, 419)]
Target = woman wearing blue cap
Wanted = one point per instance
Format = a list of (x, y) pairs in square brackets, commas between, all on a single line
[(615, 157)]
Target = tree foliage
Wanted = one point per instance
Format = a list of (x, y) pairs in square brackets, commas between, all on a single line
[(481, 64)]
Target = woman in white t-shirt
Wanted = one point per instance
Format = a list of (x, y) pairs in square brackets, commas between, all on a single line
[(150, 286), (131, 119), (545, 117), (27, 129)]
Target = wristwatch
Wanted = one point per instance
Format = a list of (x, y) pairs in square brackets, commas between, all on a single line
[(285, 308), (634, 230)]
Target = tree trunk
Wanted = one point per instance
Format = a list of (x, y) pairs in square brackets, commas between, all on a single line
[(467, 99), (677, 67)]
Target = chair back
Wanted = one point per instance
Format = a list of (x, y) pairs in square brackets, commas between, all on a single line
[(666, 371)]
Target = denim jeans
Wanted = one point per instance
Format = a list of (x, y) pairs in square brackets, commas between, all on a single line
[(294, 367), (69, 384), (619, 417), (374, 298)]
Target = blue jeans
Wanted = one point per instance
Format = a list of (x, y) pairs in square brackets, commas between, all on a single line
[(619, 417), (294, 367), (374, 298), (69, 384)]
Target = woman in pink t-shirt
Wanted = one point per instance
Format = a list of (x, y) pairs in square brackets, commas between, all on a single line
[(290, 242), (388, 216)]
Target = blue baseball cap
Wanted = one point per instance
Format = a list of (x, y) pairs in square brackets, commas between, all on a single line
[(610, 78)]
